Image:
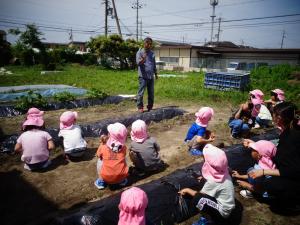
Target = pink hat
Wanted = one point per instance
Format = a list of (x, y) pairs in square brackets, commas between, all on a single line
[(280, 94), (203, 116), (259, 97), (257, 93), (267, 150), (215, 166), (132, 207), (139, 131), (34, 118), (117, 135), (67, 120)]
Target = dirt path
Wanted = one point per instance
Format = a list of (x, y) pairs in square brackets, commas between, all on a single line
[(66, 186)]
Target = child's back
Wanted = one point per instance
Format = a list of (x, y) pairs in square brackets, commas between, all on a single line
[(114, 168), (73, 142), (72, 138), (34, 143), (144, 150), (35, 146), (149, 152)]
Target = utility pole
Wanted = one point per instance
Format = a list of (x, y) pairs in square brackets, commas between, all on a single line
[(283, 36), (218, 36), (117, 19), (137, 6), (105, 14), (213, 3), (71, 36), (141, 30)]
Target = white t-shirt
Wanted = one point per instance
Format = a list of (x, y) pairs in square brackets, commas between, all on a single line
[(223, 193), (35, 146), (72, 138), (264, 113)]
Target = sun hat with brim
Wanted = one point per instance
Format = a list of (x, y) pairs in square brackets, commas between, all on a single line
[(34, 118), (279, 93), (215, 166), (139, 131), (267, 150), (117, 135), (203, 116), (132, 207), (67, 120), (257, 93)]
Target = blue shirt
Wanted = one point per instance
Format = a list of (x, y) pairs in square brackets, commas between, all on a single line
[(147, 69), (195, 129)]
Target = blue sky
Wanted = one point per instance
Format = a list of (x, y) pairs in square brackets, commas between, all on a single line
[(169, 20)]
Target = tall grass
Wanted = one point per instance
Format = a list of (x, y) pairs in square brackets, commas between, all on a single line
[(189, 88)]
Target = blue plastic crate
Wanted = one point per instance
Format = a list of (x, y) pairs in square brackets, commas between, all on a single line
[(226, 81)]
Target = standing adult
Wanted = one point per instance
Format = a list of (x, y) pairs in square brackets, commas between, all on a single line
[(284, 183), (145, 60)]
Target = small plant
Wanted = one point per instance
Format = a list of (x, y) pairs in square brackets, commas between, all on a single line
[(96, 93), (64, 97), (31, 100)]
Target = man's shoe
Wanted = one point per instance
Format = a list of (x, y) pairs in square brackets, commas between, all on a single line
[(141, 110)]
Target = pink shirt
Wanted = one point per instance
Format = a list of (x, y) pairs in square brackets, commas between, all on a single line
[(35, 146)]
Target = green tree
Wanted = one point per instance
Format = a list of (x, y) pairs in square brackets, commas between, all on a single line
[(5, 52), (28, 40), (113, 50)]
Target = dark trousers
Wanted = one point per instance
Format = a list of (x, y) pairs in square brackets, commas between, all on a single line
[(143, 84), (285, 191)]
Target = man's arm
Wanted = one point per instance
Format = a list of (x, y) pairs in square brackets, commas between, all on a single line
[(140, 58)]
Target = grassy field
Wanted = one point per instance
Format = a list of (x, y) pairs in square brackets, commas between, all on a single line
[(176, 88)]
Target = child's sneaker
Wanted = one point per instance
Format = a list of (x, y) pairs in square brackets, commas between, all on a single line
[(124, 182), (196, 152), (246, 194), (100, 184)]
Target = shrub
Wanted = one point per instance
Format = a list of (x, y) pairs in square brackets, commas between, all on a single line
[(64, 97), (31, 100), (96, 93)]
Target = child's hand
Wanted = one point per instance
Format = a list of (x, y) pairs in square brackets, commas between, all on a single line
[(199, 178), (103, 139), (256, 173), (244, 184), (188, 191), (246, 142), (211, 137), (235, 173)]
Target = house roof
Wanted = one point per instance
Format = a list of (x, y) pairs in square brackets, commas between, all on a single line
[(169, 44)]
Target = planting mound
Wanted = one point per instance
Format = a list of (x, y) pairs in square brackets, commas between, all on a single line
[(98, 128), (9, 110), (165, 205)]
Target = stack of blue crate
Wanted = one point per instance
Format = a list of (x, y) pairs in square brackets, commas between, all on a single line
[(226, 80)]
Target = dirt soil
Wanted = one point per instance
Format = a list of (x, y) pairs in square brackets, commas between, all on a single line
[(29, 197)]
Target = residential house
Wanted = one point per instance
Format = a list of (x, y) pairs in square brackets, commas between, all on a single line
[(181, 56)]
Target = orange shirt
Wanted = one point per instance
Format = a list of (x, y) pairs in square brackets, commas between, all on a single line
[(114, 168)]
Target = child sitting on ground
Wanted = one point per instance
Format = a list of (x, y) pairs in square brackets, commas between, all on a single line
[(112, 167), (241, 120), (217, 195), (144, 150), (132, 207), (34, 142), (263, 117), (198, 136), (73, 142), (262, 152)]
